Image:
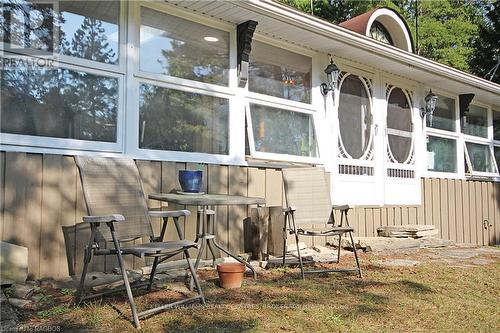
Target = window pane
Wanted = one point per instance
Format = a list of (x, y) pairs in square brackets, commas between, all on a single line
[(496, 125), (354, 116), (480, 157), (399, 125), (89, 30), (59, 103), (444, 114), (27, 25), (441, 154), (182, 121), (497, 156), (280, 73), (476, 121), (173, 46), (283, 132)]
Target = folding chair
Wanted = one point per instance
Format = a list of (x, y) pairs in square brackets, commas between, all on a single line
[(308, 202), (118, 212)]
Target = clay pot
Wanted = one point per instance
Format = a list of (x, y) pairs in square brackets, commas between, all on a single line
[(230, 274)]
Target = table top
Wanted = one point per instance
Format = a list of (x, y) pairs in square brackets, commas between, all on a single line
[(207, 199)]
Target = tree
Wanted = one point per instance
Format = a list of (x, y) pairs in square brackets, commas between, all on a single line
[(486, 53), (447, 28)]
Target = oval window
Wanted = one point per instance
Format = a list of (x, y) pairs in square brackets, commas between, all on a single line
[(355, 118), (399, 125)]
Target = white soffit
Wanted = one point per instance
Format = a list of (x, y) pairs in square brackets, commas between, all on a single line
[(292, 26)]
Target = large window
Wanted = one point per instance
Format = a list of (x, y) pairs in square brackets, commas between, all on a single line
[(442, 144), (281, 131), (175, 120), (441, 154), (76, 94), (475, 121), (355, 117), (278, 72), (59, 103), (479, 158), (444, 116), (399, 126), (177, 47)]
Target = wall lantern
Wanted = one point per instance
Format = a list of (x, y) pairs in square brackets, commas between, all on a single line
[(430, 106), (332, 74)]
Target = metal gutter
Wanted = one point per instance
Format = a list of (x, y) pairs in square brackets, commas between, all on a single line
[(290, 16)]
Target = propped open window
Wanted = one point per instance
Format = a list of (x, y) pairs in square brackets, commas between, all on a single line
[(281, 134), (479, 159)]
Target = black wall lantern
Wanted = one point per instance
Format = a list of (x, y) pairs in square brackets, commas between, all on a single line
[(332, 74), (430, 106)]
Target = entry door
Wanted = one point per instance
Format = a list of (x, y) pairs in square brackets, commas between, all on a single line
[(401, 182), (355, 176)]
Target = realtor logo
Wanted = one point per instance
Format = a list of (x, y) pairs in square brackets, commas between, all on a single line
[(28, 27)]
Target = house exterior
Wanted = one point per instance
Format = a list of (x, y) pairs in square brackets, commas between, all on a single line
[(234, 88)]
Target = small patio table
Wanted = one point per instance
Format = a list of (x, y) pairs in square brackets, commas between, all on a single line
[(206, 234)]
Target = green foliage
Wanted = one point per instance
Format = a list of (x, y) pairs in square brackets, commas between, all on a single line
[(449, 31), (55, 311), (487, 46)]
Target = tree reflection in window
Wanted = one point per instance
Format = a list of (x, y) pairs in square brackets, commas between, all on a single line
[(278, 72), (182, 121), (177, 47), (283, 132), (59, 103), (355, 118)]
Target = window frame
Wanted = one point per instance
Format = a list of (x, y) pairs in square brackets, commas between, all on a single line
[(285, 104), (453, 135), (276, 156), (135, 77)]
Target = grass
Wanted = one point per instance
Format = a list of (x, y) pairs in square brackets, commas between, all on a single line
[(431, 297)]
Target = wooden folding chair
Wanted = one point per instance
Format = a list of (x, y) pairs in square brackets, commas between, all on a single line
[(308, 202), (118, 213)]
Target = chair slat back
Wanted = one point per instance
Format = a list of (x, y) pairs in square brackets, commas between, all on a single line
[(307, 190), (114, 186)]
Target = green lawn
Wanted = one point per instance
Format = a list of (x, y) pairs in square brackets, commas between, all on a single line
[(431, 297)]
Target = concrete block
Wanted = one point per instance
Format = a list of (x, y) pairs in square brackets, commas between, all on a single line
[(13, 263)]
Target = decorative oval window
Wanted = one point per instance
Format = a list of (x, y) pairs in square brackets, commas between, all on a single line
[(355, 118), (399, 126)]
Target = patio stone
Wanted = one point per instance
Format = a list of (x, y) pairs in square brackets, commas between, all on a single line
[(8, 317), (13, 263), (19, 303), (21, 291), (399, 262), (410, 230)]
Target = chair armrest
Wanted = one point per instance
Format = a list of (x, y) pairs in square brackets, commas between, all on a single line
[(104, 218), (169, 213), (289, 209), (341, 207)]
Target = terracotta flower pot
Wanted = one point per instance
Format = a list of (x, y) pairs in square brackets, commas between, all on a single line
[(230, 274)]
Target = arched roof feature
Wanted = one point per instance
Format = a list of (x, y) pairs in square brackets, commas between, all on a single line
[(390, 19)]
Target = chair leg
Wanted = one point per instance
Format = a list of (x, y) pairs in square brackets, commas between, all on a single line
[(355, 255), (338, 248), (152, 274), (194, 276), (129, 290), (300, 257), (81, 287), (285, 236), (87, 257)]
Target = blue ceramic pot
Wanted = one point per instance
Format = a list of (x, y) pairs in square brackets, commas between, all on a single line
[(191, 181)]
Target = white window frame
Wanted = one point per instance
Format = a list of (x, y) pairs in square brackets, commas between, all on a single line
[(454, 135), (488, 141), (33, 143), (285, 104), (135, 77), (275, 156)]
